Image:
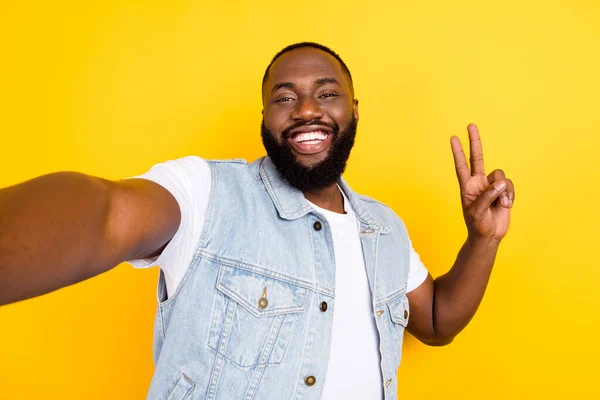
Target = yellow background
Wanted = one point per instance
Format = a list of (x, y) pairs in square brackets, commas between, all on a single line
[(110, 88)]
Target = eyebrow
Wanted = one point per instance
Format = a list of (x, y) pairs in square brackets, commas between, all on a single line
[(318, 82)]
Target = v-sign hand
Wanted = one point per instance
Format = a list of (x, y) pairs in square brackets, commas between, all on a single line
[(486, 200)]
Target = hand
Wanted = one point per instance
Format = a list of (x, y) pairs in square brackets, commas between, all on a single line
[(486, 200)]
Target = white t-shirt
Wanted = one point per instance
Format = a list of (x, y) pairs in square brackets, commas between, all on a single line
[(353, 368)]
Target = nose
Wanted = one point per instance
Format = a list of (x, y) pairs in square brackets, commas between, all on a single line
[(307, 109)]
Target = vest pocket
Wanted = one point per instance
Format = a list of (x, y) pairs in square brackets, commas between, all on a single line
[(399, 310), (399, 314), (254, 316), (184, 388)]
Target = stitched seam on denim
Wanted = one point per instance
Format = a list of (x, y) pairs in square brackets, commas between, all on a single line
[(269, 186), (228, 161), (227, 325), (370, 222), (292, 328), (255, 269), (180, 383), (192, 388), (375, 266), (325, 291), (259, 270), (271, 340), (215, 376), (222, 347), (214, 331), (326, 361), (391, 297), (264, 357), (208, 213), (256, 377), (161, 323), (306, 350), (371, 200)]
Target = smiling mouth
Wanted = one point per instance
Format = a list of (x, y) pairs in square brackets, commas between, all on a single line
[(310, 137), (308, 143)]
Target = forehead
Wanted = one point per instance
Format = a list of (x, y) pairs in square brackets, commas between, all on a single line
[(305, 64)]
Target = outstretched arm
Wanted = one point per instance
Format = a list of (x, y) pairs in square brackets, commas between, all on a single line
[(62, 228), (441, 308)]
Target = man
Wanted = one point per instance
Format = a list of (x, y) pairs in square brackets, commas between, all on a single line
[(277, 280)]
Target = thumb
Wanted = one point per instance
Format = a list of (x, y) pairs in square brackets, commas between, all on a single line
[(485, 199)]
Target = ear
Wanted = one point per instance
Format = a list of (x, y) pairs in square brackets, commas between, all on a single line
[(355, 109)]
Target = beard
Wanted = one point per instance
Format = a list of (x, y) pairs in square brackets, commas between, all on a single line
[(314, 177)]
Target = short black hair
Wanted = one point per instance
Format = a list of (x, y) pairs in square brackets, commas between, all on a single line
[(314, 46)]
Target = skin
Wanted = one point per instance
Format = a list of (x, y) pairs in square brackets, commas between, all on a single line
[(62, 228)]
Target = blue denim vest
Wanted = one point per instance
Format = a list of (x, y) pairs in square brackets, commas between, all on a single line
[(245, 321)]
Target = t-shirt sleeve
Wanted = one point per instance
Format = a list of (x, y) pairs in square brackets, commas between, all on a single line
[(417, 272), (188, 179)]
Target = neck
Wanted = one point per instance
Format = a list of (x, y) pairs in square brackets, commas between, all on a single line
[(329, 198)]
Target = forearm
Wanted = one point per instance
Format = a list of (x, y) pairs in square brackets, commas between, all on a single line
[(458, 293), (50, 229)]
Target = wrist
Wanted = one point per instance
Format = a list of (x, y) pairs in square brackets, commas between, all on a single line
[(479, 242)]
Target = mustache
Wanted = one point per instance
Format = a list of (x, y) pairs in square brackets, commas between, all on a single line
[(333, 126)]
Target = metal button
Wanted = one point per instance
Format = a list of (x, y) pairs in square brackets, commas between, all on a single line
[(323, 306), (263, 303), (387, 383), (405, 314), (317, 225), (379, 313), (310, 380)]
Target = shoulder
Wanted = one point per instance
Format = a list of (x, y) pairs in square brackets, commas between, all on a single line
[(233, 171), (192, 168)]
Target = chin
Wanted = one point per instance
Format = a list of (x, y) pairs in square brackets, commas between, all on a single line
[(309, 161)]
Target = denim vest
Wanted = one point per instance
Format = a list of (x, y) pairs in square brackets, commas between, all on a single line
[(246, 321)]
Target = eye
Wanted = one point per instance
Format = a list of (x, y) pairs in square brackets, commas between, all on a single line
[(327, 95), (283, 100)]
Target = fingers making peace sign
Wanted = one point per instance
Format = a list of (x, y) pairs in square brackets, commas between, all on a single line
[(486, 200)]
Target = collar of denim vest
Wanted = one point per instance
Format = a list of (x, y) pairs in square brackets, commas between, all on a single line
[(291, 203)]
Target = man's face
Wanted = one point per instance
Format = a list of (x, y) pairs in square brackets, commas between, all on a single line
[(309, 117)]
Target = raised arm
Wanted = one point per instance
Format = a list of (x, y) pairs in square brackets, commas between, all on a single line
[(62, 228), (441, 308)]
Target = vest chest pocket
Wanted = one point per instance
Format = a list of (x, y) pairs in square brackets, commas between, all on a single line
[(254, 316)]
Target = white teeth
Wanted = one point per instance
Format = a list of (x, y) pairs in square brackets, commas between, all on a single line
[(309, 136)]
